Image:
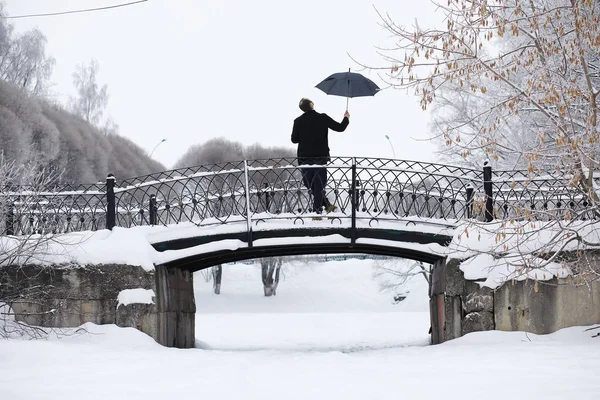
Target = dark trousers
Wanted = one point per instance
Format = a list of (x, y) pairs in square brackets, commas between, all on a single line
[(315, 179)]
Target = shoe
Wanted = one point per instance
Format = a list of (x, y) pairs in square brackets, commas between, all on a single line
[(331, 208)]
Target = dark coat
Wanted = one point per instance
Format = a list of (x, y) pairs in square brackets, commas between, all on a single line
[(311, 133)]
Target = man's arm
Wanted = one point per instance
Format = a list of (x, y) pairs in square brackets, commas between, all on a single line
[(295, 134), (337, 126)]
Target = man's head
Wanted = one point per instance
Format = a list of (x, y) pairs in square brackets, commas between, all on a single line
[(306, 104)]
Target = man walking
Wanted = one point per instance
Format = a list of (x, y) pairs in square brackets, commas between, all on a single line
[(310, 132)]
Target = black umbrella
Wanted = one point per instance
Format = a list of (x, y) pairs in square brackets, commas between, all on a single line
[(348, 84)]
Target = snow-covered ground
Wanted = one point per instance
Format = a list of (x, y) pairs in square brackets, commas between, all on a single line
[(329, 334), (333, 306)]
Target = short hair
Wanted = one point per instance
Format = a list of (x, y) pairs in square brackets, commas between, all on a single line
[(306, 104)]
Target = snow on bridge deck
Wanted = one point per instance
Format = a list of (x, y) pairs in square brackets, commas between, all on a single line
[(187, 240), (136, 246)]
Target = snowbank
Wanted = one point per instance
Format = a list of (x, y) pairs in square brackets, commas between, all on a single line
[(496, 271), (135, 296), (328, 323), (119, 246), (119, 363), (502, 251), (522, 237)]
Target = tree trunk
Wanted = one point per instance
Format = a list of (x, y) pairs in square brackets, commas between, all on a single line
[(270, 268), (426, 272), (217, 271)]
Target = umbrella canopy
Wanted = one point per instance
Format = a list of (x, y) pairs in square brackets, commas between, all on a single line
[(348, 84)]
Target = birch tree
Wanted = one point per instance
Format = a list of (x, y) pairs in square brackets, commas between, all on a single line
[(23, 58), (92, 98)]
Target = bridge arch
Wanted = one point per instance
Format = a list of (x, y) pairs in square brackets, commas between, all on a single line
[(174, 277), (196, 253), (202, 261)]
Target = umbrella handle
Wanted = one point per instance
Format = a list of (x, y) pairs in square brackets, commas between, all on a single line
[(348, 98)]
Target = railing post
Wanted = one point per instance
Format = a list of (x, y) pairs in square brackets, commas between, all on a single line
[(152, 210), (267, 197), (470, 201), (487, 188), (111, 211), (353, 200), (248, 217), (10, 219)]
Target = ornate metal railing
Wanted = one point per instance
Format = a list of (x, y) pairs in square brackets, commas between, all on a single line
[(248, 192), (27, 210)]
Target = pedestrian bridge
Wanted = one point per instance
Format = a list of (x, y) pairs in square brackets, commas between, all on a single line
[(202, 216), (258, 208)]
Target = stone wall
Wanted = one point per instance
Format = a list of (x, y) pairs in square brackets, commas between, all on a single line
[(557, 304), (460, 306), (69, 296), (77, 294)]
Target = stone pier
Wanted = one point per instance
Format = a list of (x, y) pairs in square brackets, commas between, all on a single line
[(175, 308)]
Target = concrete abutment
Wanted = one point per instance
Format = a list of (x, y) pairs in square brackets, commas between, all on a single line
[(69, 296), (459, 306)]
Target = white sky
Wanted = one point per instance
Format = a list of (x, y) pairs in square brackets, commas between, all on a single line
[(191, 70)]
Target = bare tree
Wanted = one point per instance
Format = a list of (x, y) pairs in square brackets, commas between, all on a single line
[(23, 58), (213, 151), (459, 108), (525, 66), (110, 127), (35, 131), (544, 65), (24, 241), (393, 275), (92, 99)]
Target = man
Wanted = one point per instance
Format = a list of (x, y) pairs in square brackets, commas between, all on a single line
[(310, 132)]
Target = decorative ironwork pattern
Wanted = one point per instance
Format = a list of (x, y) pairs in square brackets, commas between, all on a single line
[(59, 209), (521, 195), (252, 191)]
